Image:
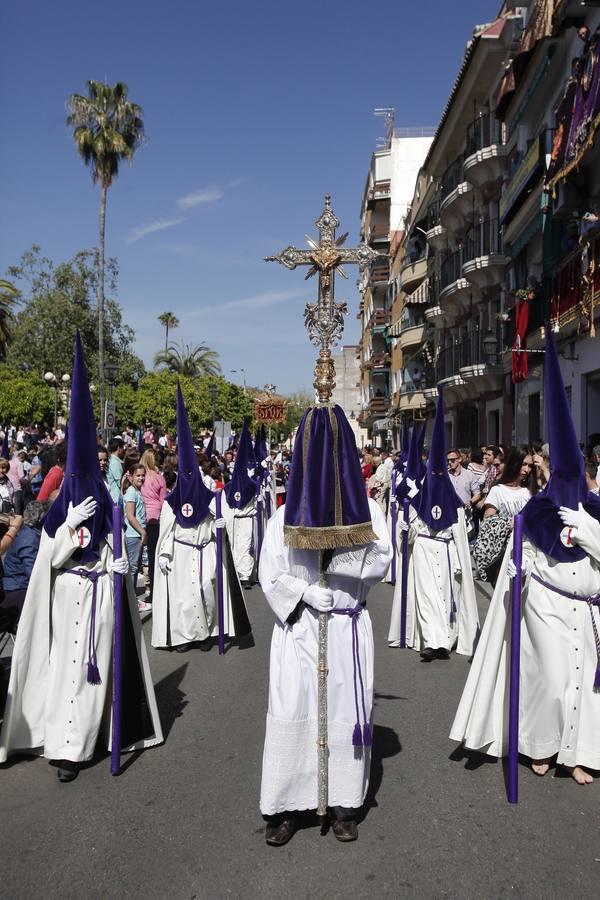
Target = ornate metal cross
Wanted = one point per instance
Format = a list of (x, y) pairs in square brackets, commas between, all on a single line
[(324, 319)]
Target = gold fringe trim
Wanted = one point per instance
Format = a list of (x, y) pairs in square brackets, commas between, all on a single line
[(330, 537), (575, 162)]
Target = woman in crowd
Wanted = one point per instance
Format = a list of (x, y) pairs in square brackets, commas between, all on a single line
[(153, 491), (6, 489), (135, 522)]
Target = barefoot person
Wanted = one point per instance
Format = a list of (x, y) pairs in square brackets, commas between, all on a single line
[(560, 655), (327, 525)]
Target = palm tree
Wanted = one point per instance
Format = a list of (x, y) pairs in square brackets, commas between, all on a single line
[(107, 128), (168, 320), (8, 295), (190, 361)]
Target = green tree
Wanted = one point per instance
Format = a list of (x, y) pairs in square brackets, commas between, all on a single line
[(55, 301), (25, 397), (168, 320), (107, 128), (298, 402), (190, 361), (8, 299)]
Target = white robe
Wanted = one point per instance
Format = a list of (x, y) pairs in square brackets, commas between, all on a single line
[(183, 608), (398, 546), (436, 570), (289, 774), (241, 528), (559, 712), (51, 709)]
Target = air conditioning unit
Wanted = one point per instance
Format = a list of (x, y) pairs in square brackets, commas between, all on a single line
[(568, 200)]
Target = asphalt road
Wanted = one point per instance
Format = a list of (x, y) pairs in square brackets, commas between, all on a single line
[(182, 821)]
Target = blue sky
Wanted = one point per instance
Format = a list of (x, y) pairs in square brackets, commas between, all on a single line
[(253, 111)]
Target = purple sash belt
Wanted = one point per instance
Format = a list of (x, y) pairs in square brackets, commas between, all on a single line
[(446, 541), (360, 736), (199, 548), (592, 600), (93, 673)]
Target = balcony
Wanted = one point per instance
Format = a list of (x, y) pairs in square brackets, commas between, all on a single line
[(485, 152), (381, 190), (454, 287), (380, 360), (379, 320), (412, 336), (478, 366), (484, 260), (419, 296), (434, 314), (379, 274), (412, 274)]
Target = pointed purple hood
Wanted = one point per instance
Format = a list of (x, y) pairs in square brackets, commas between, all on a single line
[(326, 503), (567, 485), (242, 488), (437, 503), (190, 498), (83, 477)]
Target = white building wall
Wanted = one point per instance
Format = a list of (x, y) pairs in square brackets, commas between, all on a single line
[(407, 157)]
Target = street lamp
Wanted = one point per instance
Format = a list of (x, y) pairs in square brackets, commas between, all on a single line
[(53, 382), (110, 374), (213, 390), (243, 371), (490, 348)]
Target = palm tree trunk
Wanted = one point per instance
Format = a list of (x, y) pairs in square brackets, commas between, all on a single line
[(166, 336), (101, 303)]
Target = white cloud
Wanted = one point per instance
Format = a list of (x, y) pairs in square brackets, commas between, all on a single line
[(141, 231), (200, 197), (255, 301)]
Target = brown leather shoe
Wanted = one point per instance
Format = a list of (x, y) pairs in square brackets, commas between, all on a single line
[(345, 829), (280, 834)]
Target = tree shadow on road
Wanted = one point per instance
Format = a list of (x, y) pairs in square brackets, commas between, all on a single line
[(170, 698), (386, 744)]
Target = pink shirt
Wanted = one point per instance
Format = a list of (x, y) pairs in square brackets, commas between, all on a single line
[(16, 472), (154, 491)]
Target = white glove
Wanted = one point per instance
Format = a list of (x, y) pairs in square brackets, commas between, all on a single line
[(163, 564), (220, 523), (320, 598), (393, 499), (120, 566), (404, 525), (573, 518), (512, 569), (77, 515)]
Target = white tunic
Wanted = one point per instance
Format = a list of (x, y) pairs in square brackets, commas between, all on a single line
[(289, 775), (559, 710), (51, 708), (439, 571), (241, 528), (184, 605)]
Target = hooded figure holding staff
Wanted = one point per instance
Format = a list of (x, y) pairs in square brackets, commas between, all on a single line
[(560, 626), (322, 553), (59, 694), (240, 512), (188, 593), (441, 609)]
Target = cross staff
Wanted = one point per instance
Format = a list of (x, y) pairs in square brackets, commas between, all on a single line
[(324, 321)]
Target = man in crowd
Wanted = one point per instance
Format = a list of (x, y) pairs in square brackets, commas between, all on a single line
[(465, 483), (116, 446), (54, 479)]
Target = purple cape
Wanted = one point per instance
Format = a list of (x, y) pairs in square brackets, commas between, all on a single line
[(326, 503), (437, 503), (242, 488), (566, 485), (82, 471), (190, 498)]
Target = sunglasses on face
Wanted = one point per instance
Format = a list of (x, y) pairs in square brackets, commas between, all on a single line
[(452, 459)]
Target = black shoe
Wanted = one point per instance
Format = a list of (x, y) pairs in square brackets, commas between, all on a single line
[(204, 645), (279, 834), (428, 654), (345, 830), (246, 584), (183, 648), (442, 653), (68, 771)]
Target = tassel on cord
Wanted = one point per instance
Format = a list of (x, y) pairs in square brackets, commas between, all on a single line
[(93, 674), (357, 738), (367, 736)]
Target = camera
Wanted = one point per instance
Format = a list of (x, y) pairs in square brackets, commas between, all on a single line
[(7, 508)]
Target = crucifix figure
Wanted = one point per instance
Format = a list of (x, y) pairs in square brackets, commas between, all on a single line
[(324, 319)]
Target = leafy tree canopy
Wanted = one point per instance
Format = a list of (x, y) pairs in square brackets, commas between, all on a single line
[(25, 398), (55, 301)]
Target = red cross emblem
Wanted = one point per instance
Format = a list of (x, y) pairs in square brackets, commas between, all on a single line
[(187, 509), (83, 537), (565, 536)]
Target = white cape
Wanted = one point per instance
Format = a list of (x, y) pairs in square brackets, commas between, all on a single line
[(436, 572), (559, 710), (51, 709), (289, 775)]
